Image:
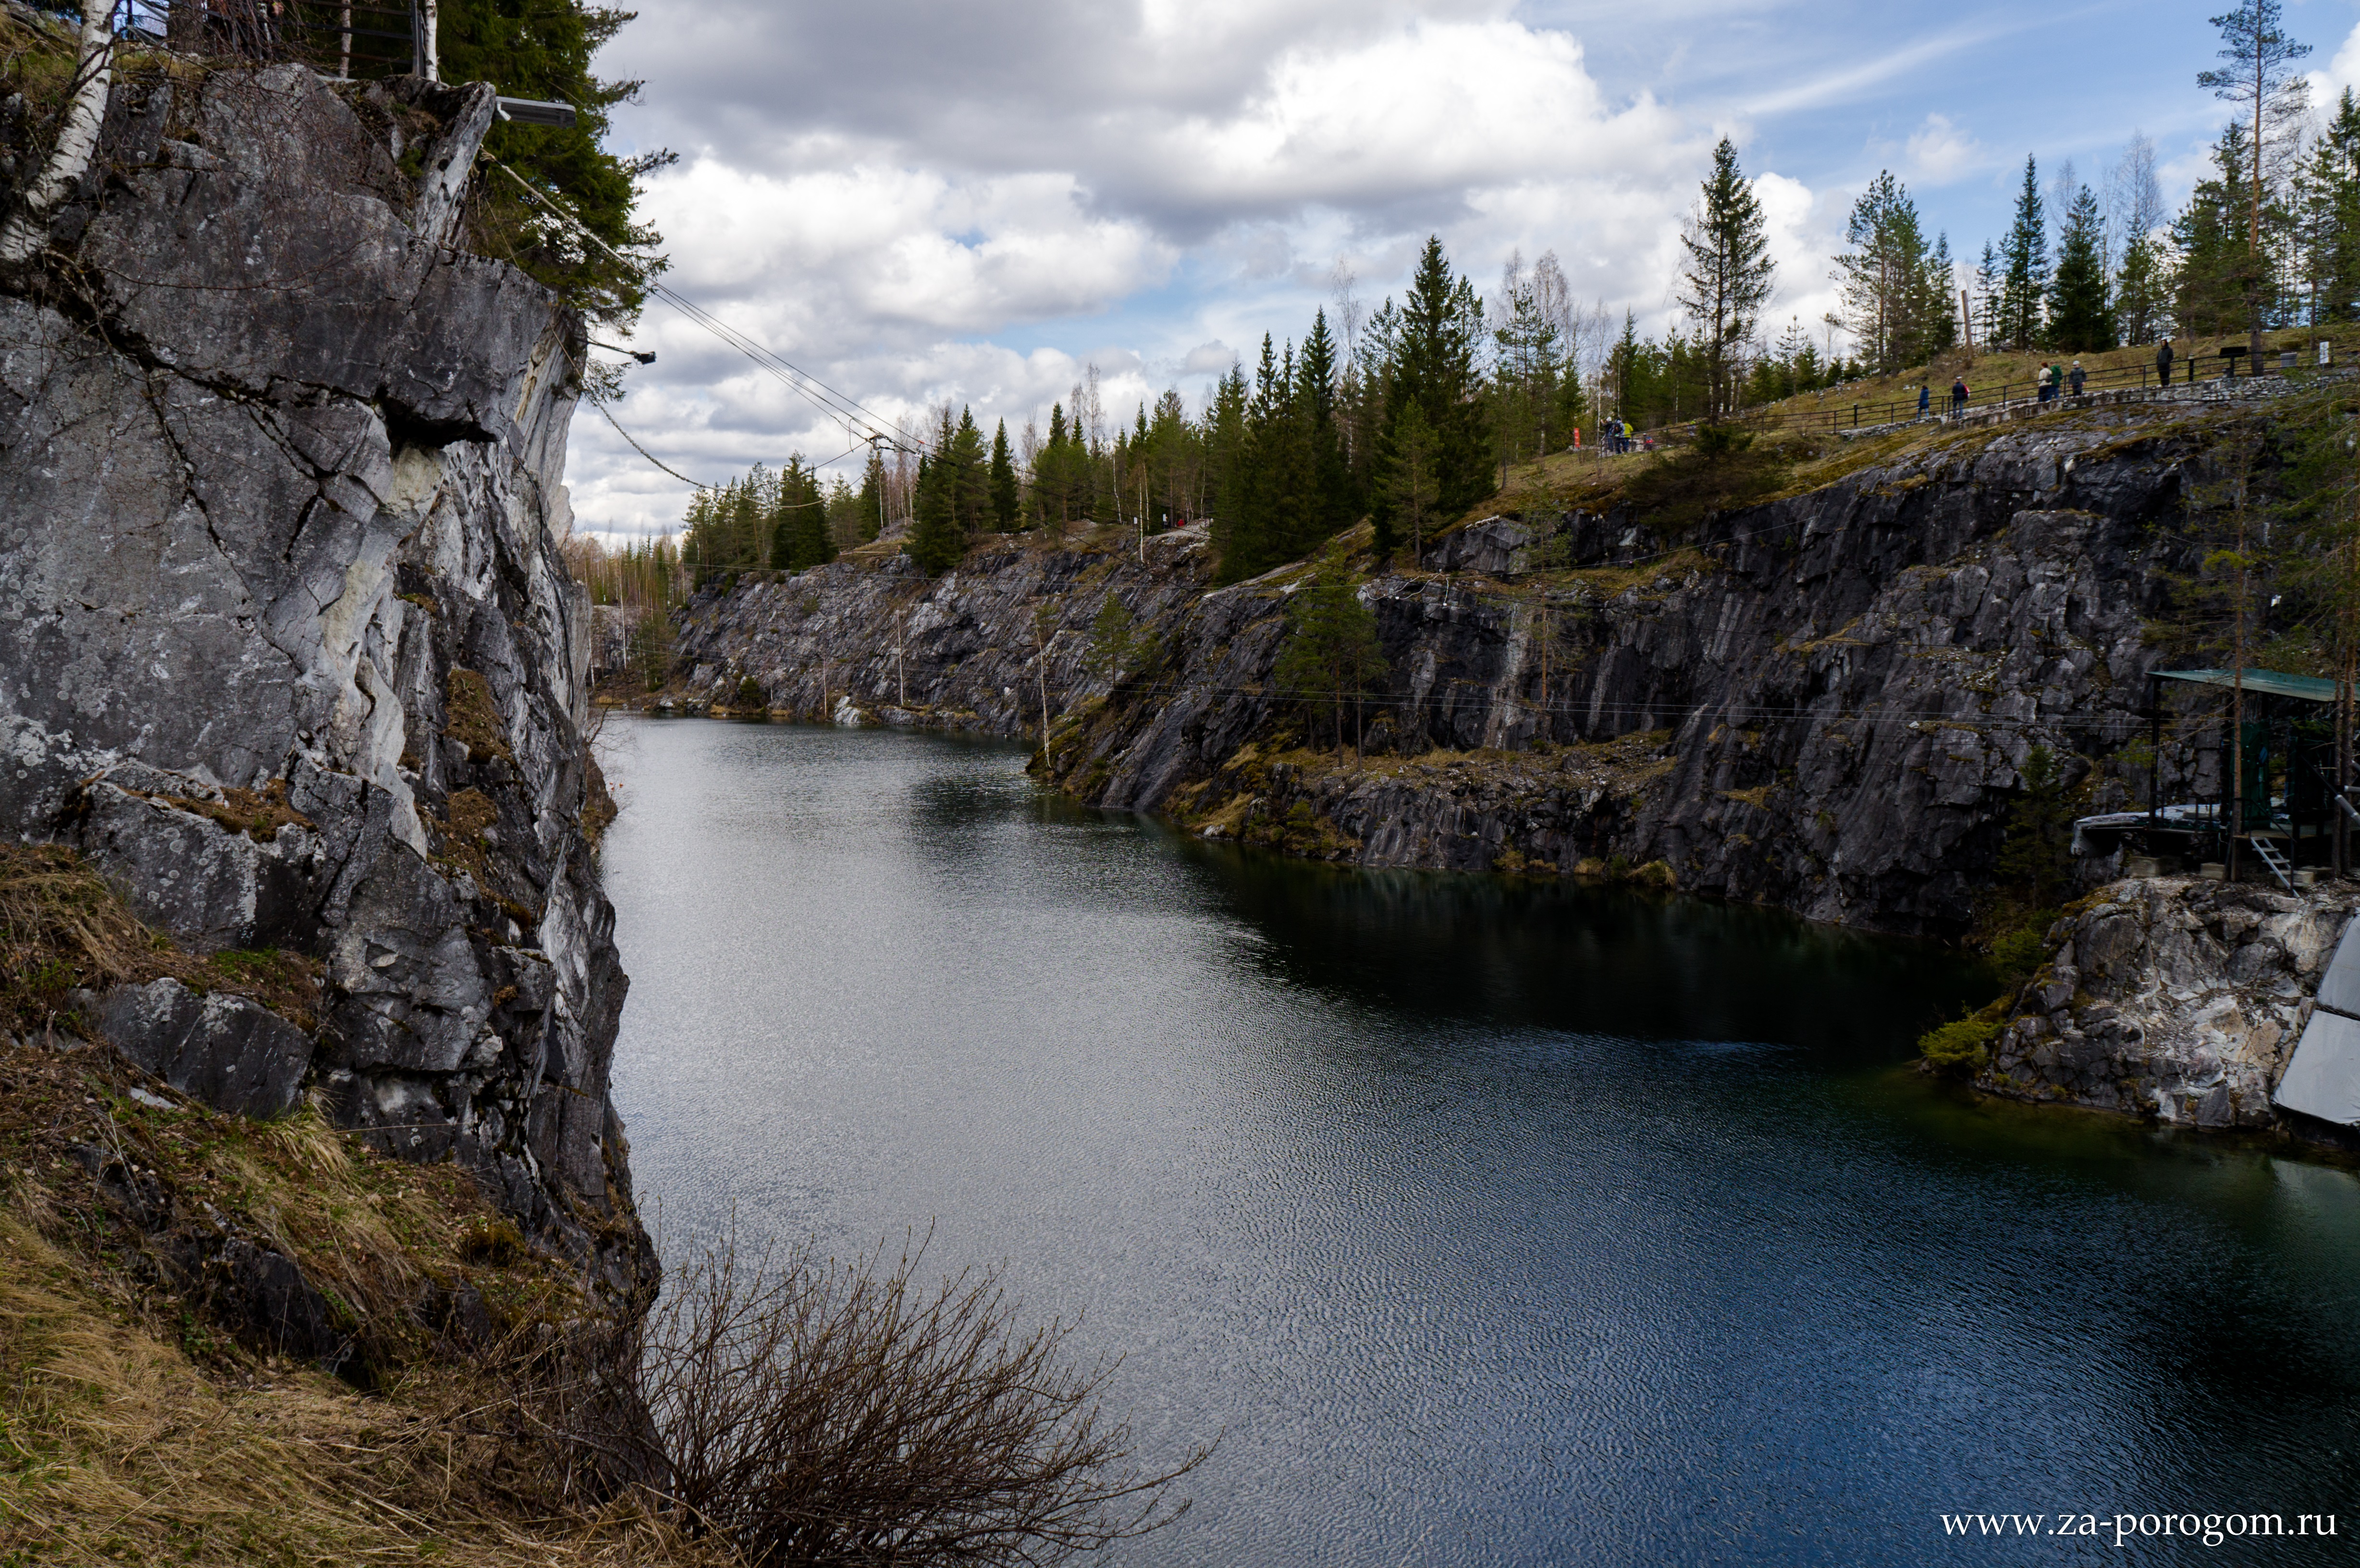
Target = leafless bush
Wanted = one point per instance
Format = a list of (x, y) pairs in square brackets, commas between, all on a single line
[(816, 1411)]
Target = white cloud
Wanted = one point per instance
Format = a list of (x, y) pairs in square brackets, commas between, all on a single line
[(2340, 72), (914, 205), (1937, 152)]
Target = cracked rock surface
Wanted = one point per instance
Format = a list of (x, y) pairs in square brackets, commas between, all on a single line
[(2171, 998), (280, 494)]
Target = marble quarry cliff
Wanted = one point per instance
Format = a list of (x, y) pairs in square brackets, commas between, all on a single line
[(288, 653), (1822, 701)]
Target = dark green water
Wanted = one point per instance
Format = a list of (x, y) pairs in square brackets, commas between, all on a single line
[(1484, 1223)]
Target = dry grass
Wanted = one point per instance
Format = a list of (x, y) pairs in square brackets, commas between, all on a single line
[(135, 1427), (132, 1430), (62, 928), (473, 719)]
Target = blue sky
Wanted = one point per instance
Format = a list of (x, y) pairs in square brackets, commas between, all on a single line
[(976, 201)]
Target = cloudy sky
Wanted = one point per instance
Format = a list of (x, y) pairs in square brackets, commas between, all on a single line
[(917, 199)]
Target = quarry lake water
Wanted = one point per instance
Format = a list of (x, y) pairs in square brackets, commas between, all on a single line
[(1483, 1222)]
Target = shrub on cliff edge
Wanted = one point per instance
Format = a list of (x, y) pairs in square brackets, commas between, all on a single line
[(1959, 1048)]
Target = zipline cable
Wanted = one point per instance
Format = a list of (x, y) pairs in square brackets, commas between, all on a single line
[(846, 411)]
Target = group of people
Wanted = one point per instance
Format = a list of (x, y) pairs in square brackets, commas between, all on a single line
[(1617, 434), (2055, 378)]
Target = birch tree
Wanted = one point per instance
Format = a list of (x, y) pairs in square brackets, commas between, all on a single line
[(77, 136)]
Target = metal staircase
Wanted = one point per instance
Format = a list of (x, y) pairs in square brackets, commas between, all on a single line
[(2280, 866)]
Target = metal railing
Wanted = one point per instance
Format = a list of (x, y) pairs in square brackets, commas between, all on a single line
[(359, 39), (1837, 412)]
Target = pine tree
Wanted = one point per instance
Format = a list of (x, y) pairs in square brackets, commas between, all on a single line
[(2261, 79), (1885, 276), (1528, 413), (2024, 275), (2080, 318), (1728, 277), (1003, 481)]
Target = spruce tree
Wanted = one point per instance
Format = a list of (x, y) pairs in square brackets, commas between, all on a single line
[(1434, 363), (1728, 273), (873, 486), (2024, 274), (2330, 204), (2212, 286), (1332, 499), (1003, 481), (968, 468), (1332, 656), (1884, 275), (1228, 463), (1987, 296), (1411, 488), (936, 541), (2080, 318), (543, 49)]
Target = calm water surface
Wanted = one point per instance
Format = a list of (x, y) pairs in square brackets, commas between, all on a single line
[(1484, 1223)]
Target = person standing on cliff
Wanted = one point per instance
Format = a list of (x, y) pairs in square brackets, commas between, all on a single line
[(2163, 363), (2076, 378), (1925, 398), (1959, 396)]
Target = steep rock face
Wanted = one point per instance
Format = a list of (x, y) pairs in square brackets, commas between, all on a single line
[(879, 640), (1821, 702), (1838, 688), (2172, 998), (289, 652)]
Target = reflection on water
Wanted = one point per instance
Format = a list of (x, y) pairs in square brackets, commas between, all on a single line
[(1491, 1222)]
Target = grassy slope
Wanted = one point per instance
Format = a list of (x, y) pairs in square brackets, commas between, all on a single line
[(135, 1427)]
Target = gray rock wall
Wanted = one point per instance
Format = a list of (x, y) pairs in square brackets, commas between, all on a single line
[(2171, 998), (878, 640), (1822, 702), (287, 651)]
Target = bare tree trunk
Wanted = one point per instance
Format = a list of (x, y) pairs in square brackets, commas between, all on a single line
[(77, 136), (2237, 697), (428, 55), (1041, 647), (2344, 675), (2254, 234), (344, 44)]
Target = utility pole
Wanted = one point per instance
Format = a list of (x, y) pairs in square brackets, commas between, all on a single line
[(1040, 649)]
